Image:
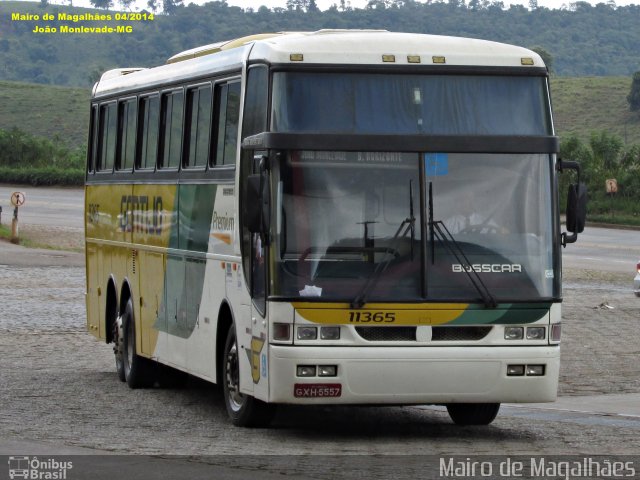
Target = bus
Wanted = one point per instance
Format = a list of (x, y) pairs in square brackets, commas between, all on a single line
[(332, 217)]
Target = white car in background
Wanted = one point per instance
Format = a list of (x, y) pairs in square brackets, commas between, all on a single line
[(636, 281)]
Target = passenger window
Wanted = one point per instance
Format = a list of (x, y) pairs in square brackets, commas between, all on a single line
[(228, 103), (108, 136), (93, 129), (171, 137), (148, 132), (198, 126), (127, 119)]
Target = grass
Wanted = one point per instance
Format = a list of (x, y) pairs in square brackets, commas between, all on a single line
[(586, 104), (46, 111), (26, 240), (615, 218), (5, 234)]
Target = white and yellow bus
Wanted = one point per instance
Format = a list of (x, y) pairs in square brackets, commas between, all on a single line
[(333, 217)]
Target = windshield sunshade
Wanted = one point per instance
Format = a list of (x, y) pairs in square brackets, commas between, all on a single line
[(409, 104)]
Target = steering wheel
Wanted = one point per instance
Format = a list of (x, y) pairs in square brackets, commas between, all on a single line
[(482, 228)]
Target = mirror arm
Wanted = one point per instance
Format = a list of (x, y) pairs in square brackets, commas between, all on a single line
[(563, 165)]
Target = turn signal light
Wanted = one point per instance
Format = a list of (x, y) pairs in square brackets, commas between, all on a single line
[(556, 331), (281, 331)]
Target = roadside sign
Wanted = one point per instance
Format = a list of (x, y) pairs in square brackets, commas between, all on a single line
[(612, 185), (18, 198)]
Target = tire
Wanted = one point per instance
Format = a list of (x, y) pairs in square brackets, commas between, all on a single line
[(473, 413), (118, 348), (243, 410), (137, 370)]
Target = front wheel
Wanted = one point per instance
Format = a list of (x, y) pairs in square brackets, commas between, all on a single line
[(473, 413), (243, 410)]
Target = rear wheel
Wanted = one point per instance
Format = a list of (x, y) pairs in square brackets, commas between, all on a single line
[(473, 413), (243, 410), (137, 370), (118, 347)]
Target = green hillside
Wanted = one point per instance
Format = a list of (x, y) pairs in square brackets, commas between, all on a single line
[(581, 105), (45, 111)]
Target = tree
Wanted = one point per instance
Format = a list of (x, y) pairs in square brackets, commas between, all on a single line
[(634, 94), (547, 58), (106, 4), (606, 148), (171, 6), (298, 5)]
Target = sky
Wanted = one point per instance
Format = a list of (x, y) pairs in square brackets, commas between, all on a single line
[(325, 4)]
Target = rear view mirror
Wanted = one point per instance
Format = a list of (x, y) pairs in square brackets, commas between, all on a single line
[(576, 205)]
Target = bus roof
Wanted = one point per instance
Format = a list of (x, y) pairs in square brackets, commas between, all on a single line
[(329, 47)]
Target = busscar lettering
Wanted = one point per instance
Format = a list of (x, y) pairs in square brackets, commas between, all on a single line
[(141, 214), (487, 268)]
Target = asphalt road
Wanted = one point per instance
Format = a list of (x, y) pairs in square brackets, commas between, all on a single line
[(604, 249), (45, 206)]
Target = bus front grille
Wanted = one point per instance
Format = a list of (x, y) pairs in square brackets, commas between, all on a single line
[(408, 334)]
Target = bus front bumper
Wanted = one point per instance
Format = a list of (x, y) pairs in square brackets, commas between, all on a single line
[(413, 375)]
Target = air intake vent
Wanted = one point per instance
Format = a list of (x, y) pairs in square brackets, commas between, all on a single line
[(408, 334), (457, 334), (387, 334)]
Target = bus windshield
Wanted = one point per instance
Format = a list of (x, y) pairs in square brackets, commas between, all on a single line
[(354, 224), (352, 103)]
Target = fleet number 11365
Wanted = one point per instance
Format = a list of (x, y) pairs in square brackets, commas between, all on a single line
[(372, 317)]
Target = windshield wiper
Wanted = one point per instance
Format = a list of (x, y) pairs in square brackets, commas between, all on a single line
[(437, 229), (408, 224)]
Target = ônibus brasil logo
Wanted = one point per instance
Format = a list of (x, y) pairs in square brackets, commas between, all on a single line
[(37, 469)]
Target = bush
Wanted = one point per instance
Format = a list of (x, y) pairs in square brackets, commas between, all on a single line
[(19, 149), (42, 176)]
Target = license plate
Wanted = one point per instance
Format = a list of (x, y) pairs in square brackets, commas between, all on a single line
[(317, 390)]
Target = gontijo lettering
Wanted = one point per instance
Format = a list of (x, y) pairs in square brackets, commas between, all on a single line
[(140, 213)]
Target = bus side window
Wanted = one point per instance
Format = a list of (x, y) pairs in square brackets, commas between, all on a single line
[(93, 139), (148, 132), (127, 113), (108, 134), (198, 126), (171, 129), (228, 110)]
